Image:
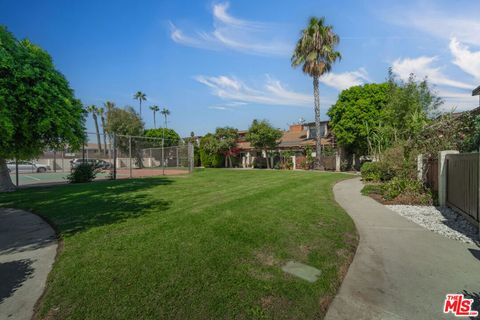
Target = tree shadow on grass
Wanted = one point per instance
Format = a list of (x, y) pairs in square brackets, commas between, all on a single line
[(79, 207)]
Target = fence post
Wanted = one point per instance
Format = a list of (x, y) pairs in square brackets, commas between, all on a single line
[(442, 176), (177, 154), (130, 154), (114, 157), (338, 161), (190, 157), (420, 167)]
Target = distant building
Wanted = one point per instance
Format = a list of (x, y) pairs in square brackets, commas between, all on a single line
[(296, 139)]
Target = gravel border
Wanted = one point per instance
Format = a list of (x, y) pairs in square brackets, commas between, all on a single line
[(440, 220)]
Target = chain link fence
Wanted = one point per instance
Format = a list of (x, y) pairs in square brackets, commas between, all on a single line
[(149, 156), (112, 156)]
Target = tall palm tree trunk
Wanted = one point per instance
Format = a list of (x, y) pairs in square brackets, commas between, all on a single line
[(6, 184), (154, 120), (140, 100), (102, 118), (95, 120), (318, 137)]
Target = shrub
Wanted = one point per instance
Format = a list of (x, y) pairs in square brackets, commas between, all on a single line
[(376, 171), (410, 191), (211, 160), (260, 163), (82, 173), (371, 171), (369, 189), (399, 161)]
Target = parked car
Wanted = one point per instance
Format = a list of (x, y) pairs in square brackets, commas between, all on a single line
[(104, 165), (27, 167), (97, 164)]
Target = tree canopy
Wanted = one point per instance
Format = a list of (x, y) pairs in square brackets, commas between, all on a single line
[(38, 108), (124, 122), (226, 142), (209, 151), (171, 136), (262, 135), (411, 104), (357, 110)]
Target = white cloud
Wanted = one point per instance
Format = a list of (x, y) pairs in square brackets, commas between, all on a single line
[(345, 80), (219, 108), (423, 67), (458, 21), (273, 92), (457, 101), (465, 59), (233, 33)]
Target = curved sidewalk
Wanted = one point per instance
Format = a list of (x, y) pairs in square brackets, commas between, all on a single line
[(400, 270), (28, 247)]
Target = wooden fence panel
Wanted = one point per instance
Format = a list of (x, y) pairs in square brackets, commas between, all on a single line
[(463, 183), (329, 162)]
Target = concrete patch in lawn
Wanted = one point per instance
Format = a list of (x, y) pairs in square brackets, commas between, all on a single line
[(302, 271)]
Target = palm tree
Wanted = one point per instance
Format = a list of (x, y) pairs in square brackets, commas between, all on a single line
[(165, 112), (93, 110), (109, 106), (315, 51), (101, 113), (155, 109), (140, 96)]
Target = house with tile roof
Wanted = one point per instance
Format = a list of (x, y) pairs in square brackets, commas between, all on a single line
[(297, 139)]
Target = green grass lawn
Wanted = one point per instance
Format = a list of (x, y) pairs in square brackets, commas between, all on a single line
[(205, 246)]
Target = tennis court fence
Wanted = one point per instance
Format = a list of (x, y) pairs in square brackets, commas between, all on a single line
[(113, 156)]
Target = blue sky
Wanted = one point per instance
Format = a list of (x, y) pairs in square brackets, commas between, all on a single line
[(217, 63)]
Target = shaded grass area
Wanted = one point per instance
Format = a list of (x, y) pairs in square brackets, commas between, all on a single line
[(205, 246)]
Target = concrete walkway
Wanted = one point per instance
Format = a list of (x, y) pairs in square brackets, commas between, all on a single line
[(27, 251), (400, 270)]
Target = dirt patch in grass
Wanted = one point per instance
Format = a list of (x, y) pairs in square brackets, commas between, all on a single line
[(266, 258), (260, 274), (275, 306), (324, 303)]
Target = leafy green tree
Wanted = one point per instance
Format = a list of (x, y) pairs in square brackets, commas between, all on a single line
[(93, 110), (171, 137), (471, 137), (38, 108), (226, 142), (140, 96), (210, 156), (126, 122), (449, 132), (315, 52), (411, 105), (358, 109), (263, 136), (155, 109)]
